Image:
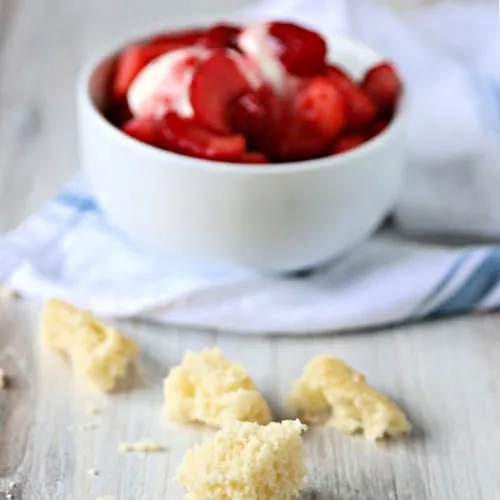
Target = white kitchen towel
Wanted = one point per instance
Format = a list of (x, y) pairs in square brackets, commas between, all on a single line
[(450, 58)]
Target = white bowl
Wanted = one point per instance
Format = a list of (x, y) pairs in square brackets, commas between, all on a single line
[(273, 218)]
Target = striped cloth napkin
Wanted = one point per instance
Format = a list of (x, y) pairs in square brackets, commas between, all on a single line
[(451, 61)]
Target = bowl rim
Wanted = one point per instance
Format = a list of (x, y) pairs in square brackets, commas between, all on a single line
[(84, 97)]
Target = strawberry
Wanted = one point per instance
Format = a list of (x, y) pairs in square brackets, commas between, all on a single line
[(185, 136), (279, 127), (221, 36), (302, 51), (340, 78), (378, 127), (254, 157), (361, 110), (144, 130), (321, 105), (248, 116), (216, 83), (186, 38), (383, 85), (132, 60), (118, 113), (348, 141), (300, 142)]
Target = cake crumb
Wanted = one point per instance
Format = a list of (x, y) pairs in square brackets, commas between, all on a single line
[(93, 410), (145, 446), (332, 392), (3, 379), (92, 472)]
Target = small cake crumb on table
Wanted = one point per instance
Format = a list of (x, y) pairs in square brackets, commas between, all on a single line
[(98, 352), (93, 410), (331, 391), (145, 446), (208, 388), (246, 461)]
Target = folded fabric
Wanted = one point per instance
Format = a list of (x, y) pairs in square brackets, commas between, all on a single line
[(452, 72)]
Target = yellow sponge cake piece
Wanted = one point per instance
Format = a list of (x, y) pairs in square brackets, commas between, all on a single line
[(97, 352), (330, 390), (207, 388), (246, 461)]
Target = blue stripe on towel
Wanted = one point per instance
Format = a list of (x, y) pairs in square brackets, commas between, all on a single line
[(487, 100), (419, 310), (81, 203), (478, 285)]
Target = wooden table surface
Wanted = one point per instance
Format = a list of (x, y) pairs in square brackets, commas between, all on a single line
[(446, 375)]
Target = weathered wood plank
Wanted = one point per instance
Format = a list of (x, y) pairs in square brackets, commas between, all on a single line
[(445, 375)]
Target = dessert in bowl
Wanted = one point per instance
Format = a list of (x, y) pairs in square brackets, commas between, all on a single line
[(254, 145)]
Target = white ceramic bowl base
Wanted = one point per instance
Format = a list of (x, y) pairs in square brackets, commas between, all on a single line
[(273, 218)]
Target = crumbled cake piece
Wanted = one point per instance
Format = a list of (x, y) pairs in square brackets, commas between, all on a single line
[(3, 379), (93, 410), (210, 389), (246, 461), (330, 390), (92, 472), (97, 351), (145, 446)]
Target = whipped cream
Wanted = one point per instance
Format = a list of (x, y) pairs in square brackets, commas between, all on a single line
[(260, 48), (163, 84)]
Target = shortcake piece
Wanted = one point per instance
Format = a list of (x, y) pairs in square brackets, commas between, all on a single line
[(98, 352), (208, 388), (246, 461), (331, 391)]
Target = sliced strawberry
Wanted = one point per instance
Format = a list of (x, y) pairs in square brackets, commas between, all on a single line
[(270, 120), (133, 59), (378, 127), (349, 141), (184, 136), (277, 127), (248, 116), (254, 157), (144, 130), (383, 85), (340, 78), (221, 36), (118, 113), (216, 83), (321, 105), (301, 143), (186, 38), (302, 51), (361, 110)]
